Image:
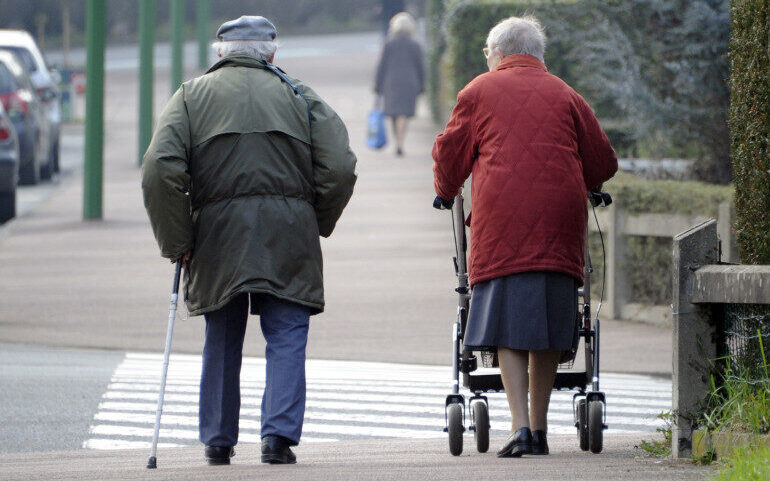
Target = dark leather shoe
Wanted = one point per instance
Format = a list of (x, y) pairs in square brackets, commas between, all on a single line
[(539, 442), (277, 450), (518, 443), (218, 455)]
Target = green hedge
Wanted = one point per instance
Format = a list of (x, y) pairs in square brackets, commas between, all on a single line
[(648, 261), (459, 58), (750, 127), (434, 11)]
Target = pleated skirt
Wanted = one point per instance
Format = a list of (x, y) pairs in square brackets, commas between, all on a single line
[(528, 311)]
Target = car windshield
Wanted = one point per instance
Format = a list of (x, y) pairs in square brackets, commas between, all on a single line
[(7, 82), (24, 55)]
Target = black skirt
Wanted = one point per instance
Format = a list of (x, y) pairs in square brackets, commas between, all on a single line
[(528, 311)]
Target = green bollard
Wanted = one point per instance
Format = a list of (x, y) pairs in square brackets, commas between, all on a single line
[(94, 148), (203, 14), (177, 43), (146, 46)]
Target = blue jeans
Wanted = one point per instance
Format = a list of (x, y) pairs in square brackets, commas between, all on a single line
[(285, 327)]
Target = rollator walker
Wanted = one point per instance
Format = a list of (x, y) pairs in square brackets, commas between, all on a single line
[(588, 403)]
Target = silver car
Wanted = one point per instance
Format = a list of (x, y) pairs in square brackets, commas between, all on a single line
[(9, 166), (28, 117), (43, 79)]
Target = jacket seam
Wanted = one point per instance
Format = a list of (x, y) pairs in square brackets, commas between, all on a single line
[(240, 196)]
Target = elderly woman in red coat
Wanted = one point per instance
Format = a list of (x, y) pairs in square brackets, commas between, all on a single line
[(534, 148)]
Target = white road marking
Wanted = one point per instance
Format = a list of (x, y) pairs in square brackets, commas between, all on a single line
[(345, 399)]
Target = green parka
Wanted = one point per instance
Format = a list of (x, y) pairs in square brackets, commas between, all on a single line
[(237, 173)]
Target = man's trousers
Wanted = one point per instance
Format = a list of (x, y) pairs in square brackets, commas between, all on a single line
[(285, 327)]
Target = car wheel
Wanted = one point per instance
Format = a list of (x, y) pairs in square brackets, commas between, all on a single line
[(47, 169), (7, 206), (29, 174), (55, 156)]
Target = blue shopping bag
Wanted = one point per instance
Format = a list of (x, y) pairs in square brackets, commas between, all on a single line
[(376, 135)]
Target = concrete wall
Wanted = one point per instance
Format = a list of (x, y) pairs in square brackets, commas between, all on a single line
[(701, 286)]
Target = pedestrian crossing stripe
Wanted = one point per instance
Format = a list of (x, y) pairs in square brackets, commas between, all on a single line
[(345, 400)]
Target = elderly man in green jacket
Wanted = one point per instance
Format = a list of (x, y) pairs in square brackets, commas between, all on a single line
[(246, 169)]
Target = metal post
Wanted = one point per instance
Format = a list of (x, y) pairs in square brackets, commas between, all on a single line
[(177, 43), (203, 17), (94, 148), (146, 66), (66, 29)]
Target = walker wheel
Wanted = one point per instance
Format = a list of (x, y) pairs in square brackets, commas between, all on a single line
[(596, 426), (455, 428), (481, 425), (582, 421)]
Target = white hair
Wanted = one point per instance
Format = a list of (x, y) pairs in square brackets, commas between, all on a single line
[(522, 35), (402, 24), (263, 49)]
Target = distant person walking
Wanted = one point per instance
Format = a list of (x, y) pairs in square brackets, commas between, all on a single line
[(534, 148), (400, 75), (242, 176)]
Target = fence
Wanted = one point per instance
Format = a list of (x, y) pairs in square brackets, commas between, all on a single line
[(617, 224), (706, 326)]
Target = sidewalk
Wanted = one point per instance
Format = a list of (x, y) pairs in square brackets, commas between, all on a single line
[(370, 460)]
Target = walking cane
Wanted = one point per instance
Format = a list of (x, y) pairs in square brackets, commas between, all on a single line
[(152, 462)]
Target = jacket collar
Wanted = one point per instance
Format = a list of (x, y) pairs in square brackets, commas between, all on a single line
[(238, 61), (518, 60)]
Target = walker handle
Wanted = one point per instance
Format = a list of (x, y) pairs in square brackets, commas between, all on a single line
[(599, 198), (442, 204)]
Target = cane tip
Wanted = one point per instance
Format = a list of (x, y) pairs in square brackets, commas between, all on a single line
[(152, 463)]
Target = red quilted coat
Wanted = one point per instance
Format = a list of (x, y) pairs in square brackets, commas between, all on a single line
[(534, 147)]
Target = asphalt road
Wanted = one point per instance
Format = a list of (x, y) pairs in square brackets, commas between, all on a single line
[(48, 396), (29, 197)]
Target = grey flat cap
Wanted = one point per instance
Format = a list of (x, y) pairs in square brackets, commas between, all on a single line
[(247, 28)]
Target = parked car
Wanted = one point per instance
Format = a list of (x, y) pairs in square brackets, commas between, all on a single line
[(29, 120), (44, 80), (9, 166)]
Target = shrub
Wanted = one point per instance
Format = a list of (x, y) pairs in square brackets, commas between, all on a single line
[(434, 11), (571, 26), (750, 127), (648, 260), (626, 57)]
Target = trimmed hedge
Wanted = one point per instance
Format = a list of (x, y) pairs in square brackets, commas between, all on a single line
[(648, 262), (750, 127), (639, 196)]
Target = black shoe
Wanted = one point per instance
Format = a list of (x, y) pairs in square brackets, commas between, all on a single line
[(218, 455), (399, 152), (276, 450), (518, 443), (539, 442)]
